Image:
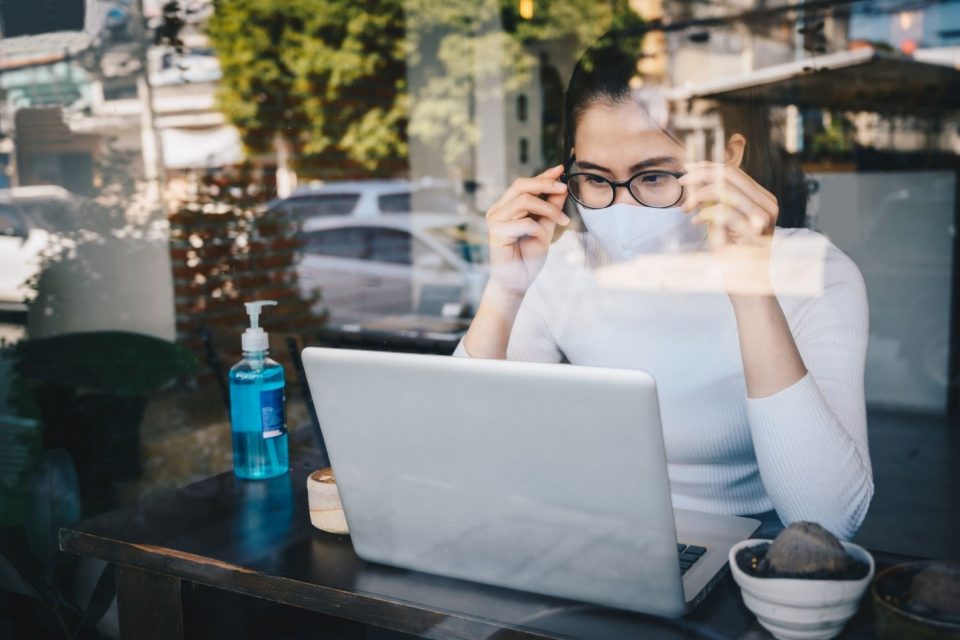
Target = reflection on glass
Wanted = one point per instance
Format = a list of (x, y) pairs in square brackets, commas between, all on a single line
[(264, 517), (362, 165)]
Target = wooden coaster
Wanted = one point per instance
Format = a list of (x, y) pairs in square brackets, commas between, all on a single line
[(326, 512)]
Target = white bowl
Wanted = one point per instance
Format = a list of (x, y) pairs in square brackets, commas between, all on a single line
[(794, 608)]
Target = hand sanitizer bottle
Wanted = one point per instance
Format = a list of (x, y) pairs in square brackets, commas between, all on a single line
[(257, 411)]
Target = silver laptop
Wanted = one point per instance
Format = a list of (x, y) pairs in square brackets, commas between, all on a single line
[(544, 478)]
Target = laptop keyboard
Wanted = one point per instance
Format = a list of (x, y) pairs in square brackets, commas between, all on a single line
[(688, 555)]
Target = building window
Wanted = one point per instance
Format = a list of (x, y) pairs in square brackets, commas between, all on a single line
[(119, 91), (524, 151), (521, 108)]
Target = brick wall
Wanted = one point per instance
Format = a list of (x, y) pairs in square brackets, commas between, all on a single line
[(225, 251)]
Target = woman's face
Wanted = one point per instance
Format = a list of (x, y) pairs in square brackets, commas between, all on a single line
[(618, 141)]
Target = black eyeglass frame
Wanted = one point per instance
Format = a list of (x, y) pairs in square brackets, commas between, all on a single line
[(614, 185)]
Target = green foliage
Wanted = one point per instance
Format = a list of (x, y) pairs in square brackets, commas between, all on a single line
[(835, 139), (331, 75), (324, 74), (485, 48), (107, 361)]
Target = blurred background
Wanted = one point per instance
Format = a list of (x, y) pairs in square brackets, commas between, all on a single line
[(161, 163)]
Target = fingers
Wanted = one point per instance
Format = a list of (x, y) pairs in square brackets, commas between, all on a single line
[(557, 199), (731, 178), (553, 172), (733, 204), (759, 219), (546, 183), (507, 233), (725, 224), (700, 173), (547, 227), (705, 172), (525, 205)]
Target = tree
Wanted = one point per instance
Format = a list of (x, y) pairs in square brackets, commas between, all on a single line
[(326, 75), (330, 75), (488, 39)]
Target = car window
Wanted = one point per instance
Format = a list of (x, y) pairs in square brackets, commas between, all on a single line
[(461, 241), (57, 216), (11, 222), (440, 200), (321, 205), (348, 242), (390, 245), (431, 199), (394, 202)]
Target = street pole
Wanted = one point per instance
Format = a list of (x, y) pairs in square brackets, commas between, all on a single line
[(150, 140)]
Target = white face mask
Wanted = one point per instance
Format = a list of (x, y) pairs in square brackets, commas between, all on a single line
[(626, 231)]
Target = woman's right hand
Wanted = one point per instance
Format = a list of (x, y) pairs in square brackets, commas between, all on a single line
[(521, 226)]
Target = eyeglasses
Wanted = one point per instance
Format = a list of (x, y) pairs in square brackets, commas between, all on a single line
[(655, 188)]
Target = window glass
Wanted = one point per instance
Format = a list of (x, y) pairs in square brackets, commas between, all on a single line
[(390, 245), (468, 244), (349, 242), (119, 91), (320, 205), (395, 202), (11, 222), (380, 170), (438, 200)]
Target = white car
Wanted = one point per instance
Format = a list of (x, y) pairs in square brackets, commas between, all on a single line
[(28, 215), (369, 199), (364, 269)]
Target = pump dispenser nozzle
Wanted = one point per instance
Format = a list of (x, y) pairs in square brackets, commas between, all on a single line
[(255, 338)]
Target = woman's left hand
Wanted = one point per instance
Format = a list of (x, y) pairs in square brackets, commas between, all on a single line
[(740, 216)]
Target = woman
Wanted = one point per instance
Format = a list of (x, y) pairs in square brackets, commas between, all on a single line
[(760, 384)]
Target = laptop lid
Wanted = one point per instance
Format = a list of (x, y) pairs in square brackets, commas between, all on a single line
[(536, 477)]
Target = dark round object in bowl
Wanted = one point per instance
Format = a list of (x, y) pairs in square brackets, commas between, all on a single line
[(917, 600), (753, 562), (805, 548)]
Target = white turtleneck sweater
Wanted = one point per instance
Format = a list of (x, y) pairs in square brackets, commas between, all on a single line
[(801, 451)]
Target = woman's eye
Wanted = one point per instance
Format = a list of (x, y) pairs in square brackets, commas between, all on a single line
[(654, 179), (595, 181)]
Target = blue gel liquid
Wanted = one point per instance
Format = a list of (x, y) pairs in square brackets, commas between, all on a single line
[(256, 457)]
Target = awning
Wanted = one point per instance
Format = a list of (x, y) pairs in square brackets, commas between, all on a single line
[(858, 80), (201, 148), (43, 49)]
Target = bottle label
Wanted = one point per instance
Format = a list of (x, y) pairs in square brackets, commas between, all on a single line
[(272, 414)]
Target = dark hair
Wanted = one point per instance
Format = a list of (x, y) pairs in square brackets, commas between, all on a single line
[(603, 75)]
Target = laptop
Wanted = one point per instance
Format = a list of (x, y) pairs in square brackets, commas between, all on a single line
[(545, 478)]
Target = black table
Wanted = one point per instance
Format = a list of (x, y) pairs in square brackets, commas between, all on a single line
[(227, 536)]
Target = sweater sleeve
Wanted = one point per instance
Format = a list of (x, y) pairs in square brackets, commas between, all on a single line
[(530, 338), (811, 438)]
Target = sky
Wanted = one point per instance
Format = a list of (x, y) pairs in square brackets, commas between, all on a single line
[(935, 26)]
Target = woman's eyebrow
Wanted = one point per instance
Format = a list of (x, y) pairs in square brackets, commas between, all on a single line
[(654, 162), (640, 166), (589, 165)]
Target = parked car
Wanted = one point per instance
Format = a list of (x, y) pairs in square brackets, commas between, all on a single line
[(368, 268), (28, 215), (369, 199)]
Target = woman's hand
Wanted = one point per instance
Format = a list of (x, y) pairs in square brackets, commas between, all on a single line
[(740, 216), (520, 226)]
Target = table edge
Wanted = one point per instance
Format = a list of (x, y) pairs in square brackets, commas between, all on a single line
[(306, 595)]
